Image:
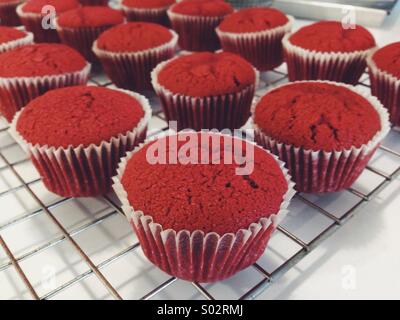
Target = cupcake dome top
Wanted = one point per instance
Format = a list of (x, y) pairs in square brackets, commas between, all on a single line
[(148, 4), (40, 60), (317, 116), (94, 16), (134, 37), (388, 59), (330, 36), (208, 8), (207, 197), (36, 6), (253, 20), (9, 34), (206, 74), (80, 115)]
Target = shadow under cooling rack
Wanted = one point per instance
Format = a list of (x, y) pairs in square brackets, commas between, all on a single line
[(62, 248)]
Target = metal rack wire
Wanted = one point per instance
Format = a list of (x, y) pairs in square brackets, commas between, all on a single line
[(304, 243)]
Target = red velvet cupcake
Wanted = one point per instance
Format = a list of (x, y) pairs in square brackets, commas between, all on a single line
[(79, 28), (77, 135), (256, 34), (28, 72), (8, 12), (384, 72), (11, 38), (311, 127), (147, 10), (195, 22), (206, 90), (94, 2), (203, 222), (129, 52), (327, 51), (33, 15)]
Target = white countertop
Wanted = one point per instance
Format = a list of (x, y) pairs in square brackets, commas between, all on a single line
[(362, 259)]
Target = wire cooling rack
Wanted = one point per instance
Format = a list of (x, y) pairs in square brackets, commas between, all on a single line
[(62, 248)]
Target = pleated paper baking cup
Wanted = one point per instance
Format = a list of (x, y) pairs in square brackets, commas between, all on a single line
[(8, 14), (263, 49), (13, 44), (154, 15), (228, 111), (321, 171), (33, 23), (16, 92), (386, 88), (303, 64), (81, 38), (131, 70), (83, 171), (196, 33), (198, 256)]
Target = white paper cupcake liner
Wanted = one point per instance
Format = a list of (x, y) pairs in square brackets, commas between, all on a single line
[(131, 70), (303, 64), (83, 171), (33, 23), (8, 14), (386, 88), (198, 256), (154, 15), (9, 45), (16, 92), (263, 48), (322, 171), (196, 33), (228, 111), (81, 38)]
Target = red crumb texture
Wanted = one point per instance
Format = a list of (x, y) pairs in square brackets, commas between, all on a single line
[(95, 16), (208, 8), (388, 59), (253, 20), (40, 60), (79, 115), (317, 117), (207, 74), (9, 34), (36, 6), (330, 36), (207, 197), (148, 4), (133, 37)]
